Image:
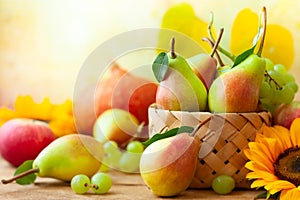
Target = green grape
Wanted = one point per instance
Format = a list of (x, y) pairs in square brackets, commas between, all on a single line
[(280, 68), (110, 146), (264, 90), (269, 64), (282, 87), (80, 184), (135, 147), (112, 154), (293, 85), (286, 95), (223, 184), (101, 183), (130, 162)]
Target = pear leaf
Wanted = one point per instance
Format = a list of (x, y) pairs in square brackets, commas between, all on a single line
[(240, 58), (160, 66), (26, 180), (169, 133)]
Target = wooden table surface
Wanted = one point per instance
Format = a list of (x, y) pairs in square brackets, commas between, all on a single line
[(125, 186)]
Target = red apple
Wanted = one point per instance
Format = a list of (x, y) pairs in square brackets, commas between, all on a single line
[(23, 139), (284, 115), (120, 89)]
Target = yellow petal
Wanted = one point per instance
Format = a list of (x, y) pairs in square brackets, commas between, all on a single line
[(6, 114), (283, 136), (276, 186), (295, 132), (182, 19), (290, 194), (258, 183)]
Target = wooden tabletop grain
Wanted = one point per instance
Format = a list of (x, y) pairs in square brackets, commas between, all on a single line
[(125, 186)]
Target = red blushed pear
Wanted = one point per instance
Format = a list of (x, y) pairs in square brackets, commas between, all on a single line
[(285, 114), (168, 165), (238, 89)]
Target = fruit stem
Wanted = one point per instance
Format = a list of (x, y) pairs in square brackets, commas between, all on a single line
[(268, 76), (31, 171), (223, 51), (264, 10), (217, 42), (173, 54), (212, 45)]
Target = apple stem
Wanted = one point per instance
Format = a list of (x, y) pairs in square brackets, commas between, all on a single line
[(31, 171), (264, 10), (173, 54), (212, 45)]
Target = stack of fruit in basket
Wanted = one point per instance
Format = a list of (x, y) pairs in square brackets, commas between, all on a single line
[(250, 84)]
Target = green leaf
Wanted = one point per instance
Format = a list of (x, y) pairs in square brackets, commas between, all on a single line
[(169, 133), (266, 195), (29, 179), (240, 58), (160, 66)]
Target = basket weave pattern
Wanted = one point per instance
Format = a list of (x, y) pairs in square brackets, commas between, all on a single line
[(223, 137)]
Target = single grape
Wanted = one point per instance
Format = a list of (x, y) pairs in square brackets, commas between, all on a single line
[(293, 85), (112, 154), (286, 95), (80, 184), (130, 162), (269, 64), (101, 183), (110, 146), (280, 68), (223, 184), (135, 147), (264, 90)]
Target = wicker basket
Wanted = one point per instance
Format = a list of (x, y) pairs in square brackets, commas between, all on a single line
[(223, 137)]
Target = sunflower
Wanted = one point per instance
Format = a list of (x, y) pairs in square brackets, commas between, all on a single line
[(274, 161)]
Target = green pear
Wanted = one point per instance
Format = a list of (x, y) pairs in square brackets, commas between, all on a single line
[(167, 166), (237, 90), (66, 157), (179, 87)]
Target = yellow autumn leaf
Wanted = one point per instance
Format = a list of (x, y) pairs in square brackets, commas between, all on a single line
[(187, 29), (59, 116), (278, 45), (26, 107)]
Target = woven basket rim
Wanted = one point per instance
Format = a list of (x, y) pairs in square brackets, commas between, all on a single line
[(207, 112)]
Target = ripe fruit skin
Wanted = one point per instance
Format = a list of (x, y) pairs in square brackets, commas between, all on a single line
[(115, 124), (223, 184), (284, 115), (168, 165), (23, 139)]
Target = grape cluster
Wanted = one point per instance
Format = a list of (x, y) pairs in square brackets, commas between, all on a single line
[(127, 161), (278, 87), (100, 183)]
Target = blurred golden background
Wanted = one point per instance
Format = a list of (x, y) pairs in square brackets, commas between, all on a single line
[(43, 43)]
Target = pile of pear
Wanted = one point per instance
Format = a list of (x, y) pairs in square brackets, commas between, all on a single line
[(201, 84)]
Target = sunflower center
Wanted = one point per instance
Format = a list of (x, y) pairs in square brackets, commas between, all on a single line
[(287, 165)]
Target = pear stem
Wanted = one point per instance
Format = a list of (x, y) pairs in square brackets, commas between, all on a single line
[(223, 51), (173, 54), (217, 42), (212, 45), (31, 171), (264, 10)]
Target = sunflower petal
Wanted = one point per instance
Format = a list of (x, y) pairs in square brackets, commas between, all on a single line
[(258, 183), (290, 194), (295, 131), (283, 135), (276, 186)]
